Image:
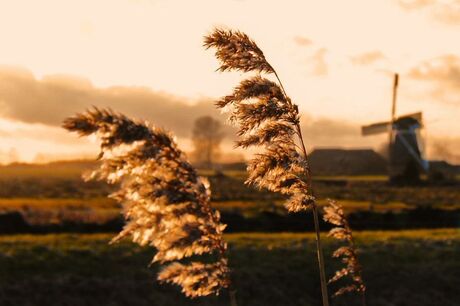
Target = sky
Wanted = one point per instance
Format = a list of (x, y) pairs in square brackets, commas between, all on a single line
[(145, 58)]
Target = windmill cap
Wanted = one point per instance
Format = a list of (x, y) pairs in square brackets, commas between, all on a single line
[(408, 121)]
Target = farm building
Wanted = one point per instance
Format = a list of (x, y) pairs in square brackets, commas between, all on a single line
[(347, 162), (440, 169)]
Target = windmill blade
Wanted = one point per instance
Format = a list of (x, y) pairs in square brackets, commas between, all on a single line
[(384, 127), (376, 128)]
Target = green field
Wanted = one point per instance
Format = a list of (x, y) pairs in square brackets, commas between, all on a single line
[(63, 180), (405, 267), (400, 267), (56, 194), (102, 210)]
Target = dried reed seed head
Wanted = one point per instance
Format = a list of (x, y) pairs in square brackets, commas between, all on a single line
[(268, 122), (334, 214), (344, 251), (269, 133), (339, 233), (266, 117), (250, 116), (278, 160), (113, 128), (276, 155), (256, 100), (278, 180), (338, 275), (299, 202), (254, 87), (236, 51), (197, 279), (166, 203), (346, 289), (279, 169)]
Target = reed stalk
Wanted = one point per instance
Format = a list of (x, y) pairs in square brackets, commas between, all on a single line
[(268, 119)]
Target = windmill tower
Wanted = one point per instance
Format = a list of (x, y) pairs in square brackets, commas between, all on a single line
[(405, 147)]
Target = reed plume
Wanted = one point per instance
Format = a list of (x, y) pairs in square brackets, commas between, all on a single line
[(334, 214), (165, 203), (267, 118), (236, 51)]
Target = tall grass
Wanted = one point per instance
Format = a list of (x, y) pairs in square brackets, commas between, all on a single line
[(166, 203), (267, 118), (334, 214)]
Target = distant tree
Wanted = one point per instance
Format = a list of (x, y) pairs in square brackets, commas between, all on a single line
[(207, 136)]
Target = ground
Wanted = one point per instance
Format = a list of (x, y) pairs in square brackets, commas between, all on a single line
[(271, 264), (400, 268), (56, 198)]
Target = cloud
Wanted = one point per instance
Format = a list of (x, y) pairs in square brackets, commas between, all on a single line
[(445, 68), (26, 131), (443, 74), (415, 4), (327, 132), (367, 58), (302, 41), (43, 104), (53, 98), (446, 11)]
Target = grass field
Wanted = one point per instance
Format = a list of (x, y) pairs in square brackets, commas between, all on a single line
[(106, 204), (103, 214), (55, 194), (401, 268), (63, 180), (406, 267)]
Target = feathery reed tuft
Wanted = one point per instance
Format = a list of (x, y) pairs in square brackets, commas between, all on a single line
[(166, 204), (237, 51), (267, 118), (334, 214)]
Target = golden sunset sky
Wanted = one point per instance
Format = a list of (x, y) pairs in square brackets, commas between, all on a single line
[(145, 58)]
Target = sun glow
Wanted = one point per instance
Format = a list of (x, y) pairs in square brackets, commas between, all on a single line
[(336, 58)]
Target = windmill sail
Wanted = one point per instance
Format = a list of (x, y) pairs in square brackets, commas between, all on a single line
[(384, 127), (376, 128)]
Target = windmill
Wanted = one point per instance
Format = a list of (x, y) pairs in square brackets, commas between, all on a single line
[(405, 146)]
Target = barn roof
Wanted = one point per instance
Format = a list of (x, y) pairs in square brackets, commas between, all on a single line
[(335, 161)]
